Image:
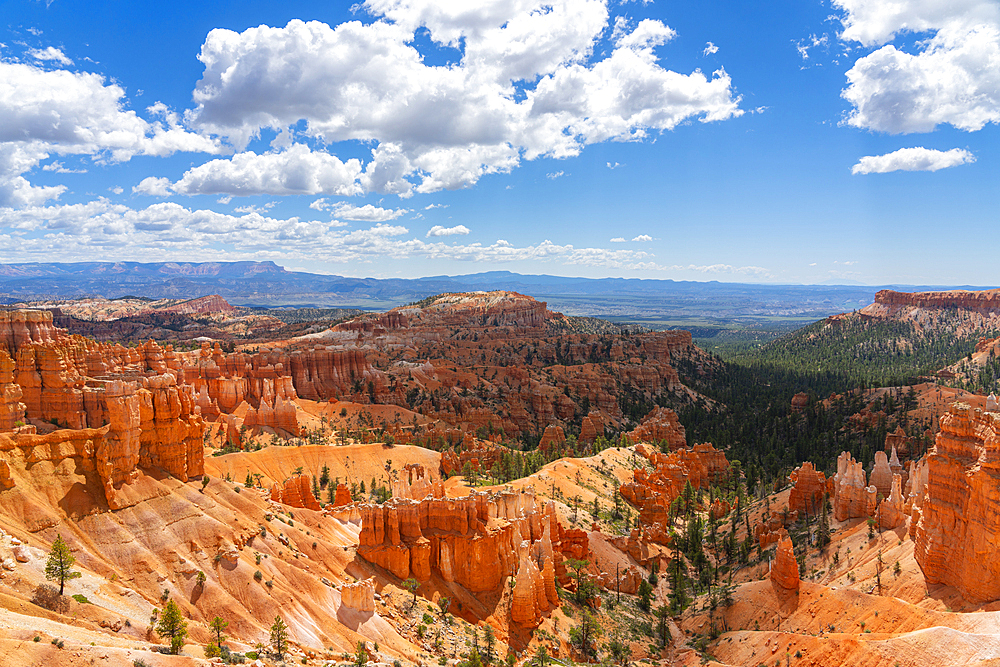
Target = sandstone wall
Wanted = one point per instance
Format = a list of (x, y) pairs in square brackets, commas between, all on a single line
[(957, 519)]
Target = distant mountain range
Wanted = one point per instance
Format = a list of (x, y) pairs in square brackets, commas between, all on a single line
[(267, 284)]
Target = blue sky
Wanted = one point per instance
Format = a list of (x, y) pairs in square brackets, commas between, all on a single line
[(797, 142)]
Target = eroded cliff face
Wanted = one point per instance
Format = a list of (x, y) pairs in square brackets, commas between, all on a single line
[(659, 425), (504, 362), (651, 492), (808, 490), (476, 541), (956, 519)]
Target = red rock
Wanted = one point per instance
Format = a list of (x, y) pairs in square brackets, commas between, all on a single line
[(553, 435), (800, 401), (296, 492), (881, 475), (343, 496), (851, 497), (784, 568), (807, 493), (957, 518), (659, 425)]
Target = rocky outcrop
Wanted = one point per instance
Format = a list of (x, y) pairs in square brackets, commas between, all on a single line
[(476, 541), (359, 595), (11, 407), (881, 475), (807, 493), (891, 511), (852, 497), (652, 492), (956, 521), (416, 483), (784, 568), (591, 427), (982, 300), (553, 435), (661, 424), (343, 496), (295, 492)]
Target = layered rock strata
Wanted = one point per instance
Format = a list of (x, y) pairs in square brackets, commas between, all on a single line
[(808, 490), (359, 595), (852, 497), (295, 492), (476, 541), (660, 425), (957, 518)]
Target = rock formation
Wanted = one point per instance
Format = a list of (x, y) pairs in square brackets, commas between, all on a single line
[(852, 498), (343, 496), (957, 519), (295, 492), (652, 492), (891, 511), (477, 541), (415, 483), (881, 475), (553, 435), (784, 567), (807, 493), (661, 424), (359, 595)]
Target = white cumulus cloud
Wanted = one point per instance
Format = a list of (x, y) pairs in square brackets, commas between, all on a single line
[(950, 78), (437, 127), (57, 112), (643, 238), (618, 239), (153, 186), (298, 170), (710, 49), (438, 230), (912, 159)]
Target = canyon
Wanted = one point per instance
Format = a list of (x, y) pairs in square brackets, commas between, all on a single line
[(349, 479)]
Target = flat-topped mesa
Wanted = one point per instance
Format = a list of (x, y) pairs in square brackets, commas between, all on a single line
[(956, 521), (659, 425), (852, 497), (981, 300), (809, 487), (474, 541)]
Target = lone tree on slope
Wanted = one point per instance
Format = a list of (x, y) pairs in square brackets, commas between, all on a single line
[(279, 637), (60, 564), (173, 625)]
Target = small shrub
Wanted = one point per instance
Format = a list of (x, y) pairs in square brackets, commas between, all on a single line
[(47, 596), (81, 598), (37, 639), (269, 583), (138, 662), (421, 630), (427, 619), (258, 575)]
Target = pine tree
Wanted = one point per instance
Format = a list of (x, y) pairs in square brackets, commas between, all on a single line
[(279, 637), (60, 563), (217, 628), (172, 625)]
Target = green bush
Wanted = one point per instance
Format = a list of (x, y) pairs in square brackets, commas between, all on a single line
[(81, 598)]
